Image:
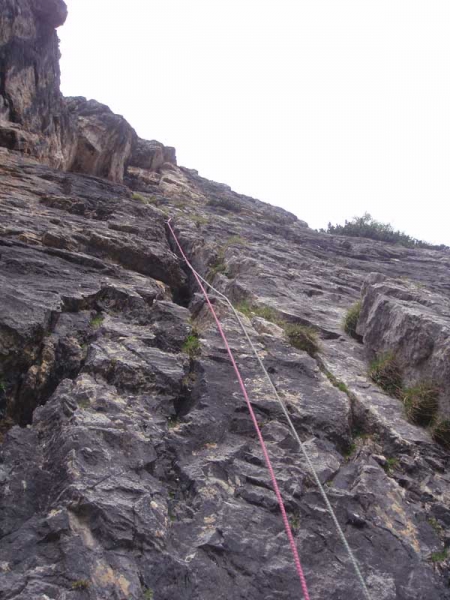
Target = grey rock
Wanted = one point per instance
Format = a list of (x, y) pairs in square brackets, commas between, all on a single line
[(129, 465), (414, 323)]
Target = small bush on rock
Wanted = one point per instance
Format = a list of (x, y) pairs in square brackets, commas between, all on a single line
[(421, 402), (97, 321), (385, 371), (351, 320), (368, 227)]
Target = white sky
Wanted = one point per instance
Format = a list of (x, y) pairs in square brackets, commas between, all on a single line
[(329, 108)]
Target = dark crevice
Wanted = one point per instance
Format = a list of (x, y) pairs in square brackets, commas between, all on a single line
[(184, 293), (190, 390)]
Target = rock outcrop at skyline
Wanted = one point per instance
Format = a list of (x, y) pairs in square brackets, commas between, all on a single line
[(129, 467), (72, 134)]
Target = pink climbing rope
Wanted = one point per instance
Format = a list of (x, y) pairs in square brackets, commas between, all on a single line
[(255, 422)]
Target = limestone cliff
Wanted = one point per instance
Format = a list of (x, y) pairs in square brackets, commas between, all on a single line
[(129, 467)]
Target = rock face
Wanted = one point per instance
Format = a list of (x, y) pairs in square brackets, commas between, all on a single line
[(414, 323), (129, 467), (104, 140), (73, 134), (33, 118)]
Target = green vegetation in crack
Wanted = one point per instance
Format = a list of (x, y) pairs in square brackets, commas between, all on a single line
[(351, 320), (191, 345), (386, 372), (80, 584), (301, 337), (147, 594), (340, 385), (144, 199), (438, 557), (435, 525), (440, 432), (421, 403), (390, 465), (219, 266), (294, 522), (97, 321), (265, 312), (226, 204)]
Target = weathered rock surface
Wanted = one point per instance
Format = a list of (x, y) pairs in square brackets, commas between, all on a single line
[(129, 467), (73, 134), (33, 118), (139, 469), (414, 323), (104, 140)]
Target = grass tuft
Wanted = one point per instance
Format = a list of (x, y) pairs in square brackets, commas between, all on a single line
[(438, 557), (351, 320), (80, 584), (303, 337), (391, 464), (300, 336), (97, 321), (191, 345), (385, 371), (440, 432), (421, 403), (340, 385)]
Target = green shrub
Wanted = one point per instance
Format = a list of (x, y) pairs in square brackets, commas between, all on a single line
[(227, 204), (385, 371), (439, 556), (303, 338), (2, 386), (390, 465), (245, 308), (440, 432), (191, 345), (421, 402), (368, 227), (351, 320), (97, 321)]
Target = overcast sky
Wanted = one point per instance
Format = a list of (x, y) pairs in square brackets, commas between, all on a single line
[(329, 108)]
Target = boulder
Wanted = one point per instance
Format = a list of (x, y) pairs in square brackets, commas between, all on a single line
[(104, 140), (151, 155)]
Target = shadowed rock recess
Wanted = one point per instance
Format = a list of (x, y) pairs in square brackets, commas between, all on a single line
[(129, 467)]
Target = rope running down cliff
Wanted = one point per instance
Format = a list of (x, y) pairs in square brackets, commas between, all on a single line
[(255, 423), (288, 419)]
